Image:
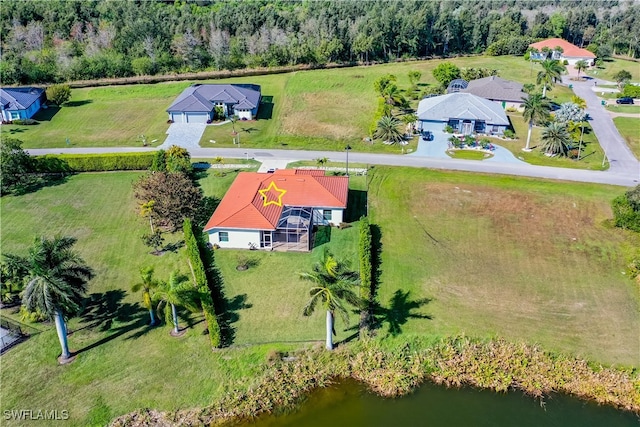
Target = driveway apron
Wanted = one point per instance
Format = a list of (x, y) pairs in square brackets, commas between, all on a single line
[(185, 135)]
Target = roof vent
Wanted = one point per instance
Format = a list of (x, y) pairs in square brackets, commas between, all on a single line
[(300, 180), (282, 179)]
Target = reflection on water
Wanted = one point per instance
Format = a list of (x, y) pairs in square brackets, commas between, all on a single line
[(349, 404)]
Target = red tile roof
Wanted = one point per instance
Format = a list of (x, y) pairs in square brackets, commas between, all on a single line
[(569, 50), (244, 207)]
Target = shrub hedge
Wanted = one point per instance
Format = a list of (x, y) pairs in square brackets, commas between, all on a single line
[(200, 277), (366, 271), (94, 162)]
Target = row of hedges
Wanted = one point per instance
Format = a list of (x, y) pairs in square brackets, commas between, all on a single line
[(200, 277), (383, 109), (366, 270), (60, 163)]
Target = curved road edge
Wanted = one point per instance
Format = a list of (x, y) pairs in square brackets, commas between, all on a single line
[(623, 178)]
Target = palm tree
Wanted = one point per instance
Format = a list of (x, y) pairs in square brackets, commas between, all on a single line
[(148, 283), (536, 110), (388, 131), (178, 291), (146, 209), (333, 286), (556, 139), (579, 102), (392, 95), (581, 66), (56, 280), (550, 73)]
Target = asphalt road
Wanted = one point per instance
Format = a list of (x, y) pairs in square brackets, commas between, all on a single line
[(620, 157), (624, 169), (623, 178)]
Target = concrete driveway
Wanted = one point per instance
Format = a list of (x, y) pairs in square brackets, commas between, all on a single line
[(438, 146), (185, 135)]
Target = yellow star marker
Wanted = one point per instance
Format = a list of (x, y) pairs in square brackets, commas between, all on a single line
[(265, 195)]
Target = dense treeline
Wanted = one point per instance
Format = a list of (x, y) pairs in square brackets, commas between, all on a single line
[(60, 40)]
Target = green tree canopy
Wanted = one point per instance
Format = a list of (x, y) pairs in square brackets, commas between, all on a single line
[(446, 72), (59, 94), (15, 166)]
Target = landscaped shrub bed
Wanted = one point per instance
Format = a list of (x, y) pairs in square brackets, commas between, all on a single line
[(395, 367), (94, 162)]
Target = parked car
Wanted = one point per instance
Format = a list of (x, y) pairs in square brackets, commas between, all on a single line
[(427, 135), (625, 100)]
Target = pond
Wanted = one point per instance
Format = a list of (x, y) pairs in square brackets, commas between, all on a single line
[(349, 404)]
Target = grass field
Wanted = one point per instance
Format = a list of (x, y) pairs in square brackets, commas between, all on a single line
[(519, 258), (591, 154), (629, 128), (628, 109), (455, 238), (611, 67), (316, 109)]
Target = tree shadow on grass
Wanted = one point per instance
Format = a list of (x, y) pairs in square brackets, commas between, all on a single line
[(46, 114), (265, 110), (226, 309), (101, 310), (356, 205), (77, 103), (400, 309)]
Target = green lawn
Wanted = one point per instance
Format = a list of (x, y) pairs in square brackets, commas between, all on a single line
[(102, 117), (519, 258), (591, 154), (455, 238), (611, 67), (629, 109), (469, 154), (316, 109), (629, 128)]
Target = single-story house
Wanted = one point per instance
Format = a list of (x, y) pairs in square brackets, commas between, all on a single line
[(464, 112), (277, 210), (196, 103), (504, 92), (21, 102), (570, 52)]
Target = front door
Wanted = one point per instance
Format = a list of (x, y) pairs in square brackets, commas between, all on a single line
[(265, 239), (467, 128)]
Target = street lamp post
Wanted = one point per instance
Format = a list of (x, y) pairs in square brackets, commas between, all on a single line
[(347, 148)]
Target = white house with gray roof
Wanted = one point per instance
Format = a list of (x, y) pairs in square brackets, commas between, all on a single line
[(196, 103), (464, 112), (507, 93), (19, 103)]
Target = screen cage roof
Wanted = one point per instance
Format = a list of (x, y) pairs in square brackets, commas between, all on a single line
[(295, 218)]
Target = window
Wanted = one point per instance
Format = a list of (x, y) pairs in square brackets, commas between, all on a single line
[(223, 236), (326, 214)]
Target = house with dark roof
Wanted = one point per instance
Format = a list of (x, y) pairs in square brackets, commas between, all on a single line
[(21, 102), (568, 51), (277, 210), (464, 112), (196, 104), (505, 92)]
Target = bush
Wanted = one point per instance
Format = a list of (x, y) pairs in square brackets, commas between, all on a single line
[(382, 110), (626, 210), (25, 122), (448, 129), (58, 94), (509, 134), (630, 90), (200, 277), (94, 162)]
